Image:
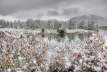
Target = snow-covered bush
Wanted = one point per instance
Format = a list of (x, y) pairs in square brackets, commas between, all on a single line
[(24, 52)]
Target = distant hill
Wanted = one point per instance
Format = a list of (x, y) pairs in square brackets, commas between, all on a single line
[(97, 20)]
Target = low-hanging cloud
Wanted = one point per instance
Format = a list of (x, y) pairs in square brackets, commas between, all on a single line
[(11, 6), (39, 8)]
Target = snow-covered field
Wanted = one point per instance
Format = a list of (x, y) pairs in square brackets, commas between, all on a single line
[(23, 51), (47, 31)]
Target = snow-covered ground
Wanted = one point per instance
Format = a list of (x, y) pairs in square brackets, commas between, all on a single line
[(48, 31), (104, 34), (24, 51)]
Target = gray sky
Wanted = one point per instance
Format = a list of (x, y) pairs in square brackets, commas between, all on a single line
[(52, 8)]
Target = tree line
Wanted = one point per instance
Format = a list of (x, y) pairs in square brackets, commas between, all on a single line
[(49, 24)]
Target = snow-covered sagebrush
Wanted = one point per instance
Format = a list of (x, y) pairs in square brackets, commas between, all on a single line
[(28, 52)]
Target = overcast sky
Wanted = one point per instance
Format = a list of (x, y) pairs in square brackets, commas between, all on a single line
[(52, 8)]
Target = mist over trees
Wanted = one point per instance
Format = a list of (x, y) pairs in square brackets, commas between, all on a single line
[(49, 24), (90, 22)]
